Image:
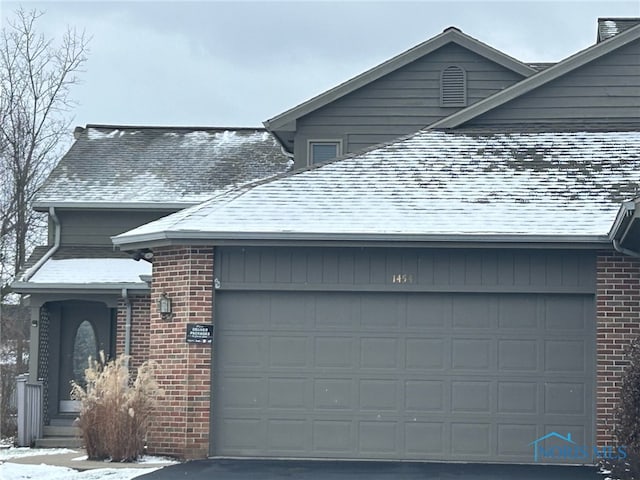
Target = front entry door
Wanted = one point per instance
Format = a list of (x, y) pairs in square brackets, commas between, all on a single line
[(86, 330)]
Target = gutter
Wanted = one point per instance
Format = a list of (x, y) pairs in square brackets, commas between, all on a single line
[(127, 326), (56, 244)]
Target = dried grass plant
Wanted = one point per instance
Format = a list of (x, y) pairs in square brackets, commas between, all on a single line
[(114, 409)]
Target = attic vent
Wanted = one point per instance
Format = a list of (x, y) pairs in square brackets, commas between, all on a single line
[(453, 87)]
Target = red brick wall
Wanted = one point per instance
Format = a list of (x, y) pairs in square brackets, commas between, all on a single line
[(618, 313), (139, 346), (181, 425)]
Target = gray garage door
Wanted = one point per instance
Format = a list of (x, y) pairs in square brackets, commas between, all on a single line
[(401, 355)]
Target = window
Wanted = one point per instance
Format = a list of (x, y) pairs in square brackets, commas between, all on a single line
[(323, 150), (453, 87)]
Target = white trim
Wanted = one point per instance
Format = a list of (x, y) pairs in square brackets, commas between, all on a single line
[(311, 141)]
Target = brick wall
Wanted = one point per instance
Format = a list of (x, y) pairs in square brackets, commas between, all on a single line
[(618, 314), (139, 346), (181, 425)]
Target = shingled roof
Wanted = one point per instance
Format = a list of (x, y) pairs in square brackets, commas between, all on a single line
[(550, 186), (126, 166)]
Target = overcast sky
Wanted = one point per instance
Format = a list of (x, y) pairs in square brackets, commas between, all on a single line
[(214, 63)]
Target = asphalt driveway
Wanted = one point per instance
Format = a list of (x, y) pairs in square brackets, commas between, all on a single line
[(332, 470)]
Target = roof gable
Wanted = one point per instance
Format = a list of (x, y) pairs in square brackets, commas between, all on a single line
[(540, 79), (450, 35)]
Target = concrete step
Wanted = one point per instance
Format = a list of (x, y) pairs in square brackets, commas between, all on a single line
[(63, 421), (60, 431), (58, 442)]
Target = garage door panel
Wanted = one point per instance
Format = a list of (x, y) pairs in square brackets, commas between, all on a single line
[(336, 312), (426, 353), (379, 353), (565, 356), (518, 397), (518, 312), (422, 439), (242, 351), (334, 437), (378, 438), (428, 311), (514, 439), (284, 435), (566, 313), (425, 396), (288, 351), (471, 354), (473, 311), (564, 398), (288, 393), (378, 395), (518, 355), (471, 397), (470, 440), (334, 352), (333, 394)]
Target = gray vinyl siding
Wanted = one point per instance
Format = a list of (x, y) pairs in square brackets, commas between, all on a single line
[(607, 89), (399, 103), (95, 228)]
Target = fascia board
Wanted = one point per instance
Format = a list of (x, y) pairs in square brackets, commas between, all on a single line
[(126, 242), (30, 287)]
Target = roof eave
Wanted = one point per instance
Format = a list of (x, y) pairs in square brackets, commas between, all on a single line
[(108, 288), (150, 240), (450, 35), (43, 205), (541, 78)]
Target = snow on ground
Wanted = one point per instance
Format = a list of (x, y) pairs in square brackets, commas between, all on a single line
[(20, 452), (14, 471)]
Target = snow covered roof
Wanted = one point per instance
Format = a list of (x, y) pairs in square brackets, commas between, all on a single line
[(124, 166), (102, 274), (463, 183)]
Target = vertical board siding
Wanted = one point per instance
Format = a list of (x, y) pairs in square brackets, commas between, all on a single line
[(607, 88), (359, 268)]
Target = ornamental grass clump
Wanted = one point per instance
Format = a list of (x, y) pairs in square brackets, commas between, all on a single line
[(114, 410)]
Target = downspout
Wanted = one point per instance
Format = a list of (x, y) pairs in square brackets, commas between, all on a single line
[(56, 244), (127, 326)]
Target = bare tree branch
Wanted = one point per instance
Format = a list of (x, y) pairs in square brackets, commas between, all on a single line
[(37, 75)]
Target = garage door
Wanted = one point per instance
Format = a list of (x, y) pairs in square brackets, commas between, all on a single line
[(420, 355)]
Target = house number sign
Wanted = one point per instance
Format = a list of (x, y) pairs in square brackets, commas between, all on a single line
[(401, 278)]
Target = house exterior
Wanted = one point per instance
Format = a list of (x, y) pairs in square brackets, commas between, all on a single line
[(448, 273)]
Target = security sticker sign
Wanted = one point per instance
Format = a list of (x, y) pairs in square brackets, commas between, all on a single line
[(199, 333)]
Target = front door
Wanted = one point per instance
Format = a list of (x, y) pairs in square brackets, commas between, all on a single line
[(85, 331)]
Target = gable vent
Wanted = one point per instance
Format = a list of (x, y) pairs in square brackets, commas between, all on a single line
[(453, 87)]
